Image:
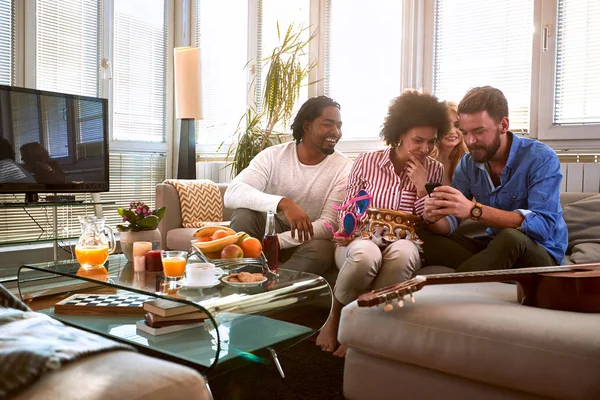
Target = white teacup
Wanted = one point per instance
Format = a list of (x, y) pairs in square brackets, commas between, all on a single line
[(198, 274)]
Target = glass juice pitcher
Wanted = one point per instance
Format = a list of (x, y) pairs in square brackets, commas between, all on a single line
[(93, 247)]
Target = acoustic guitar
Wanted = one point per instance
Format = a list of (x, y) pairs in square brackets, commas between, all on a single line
[(568, 288)]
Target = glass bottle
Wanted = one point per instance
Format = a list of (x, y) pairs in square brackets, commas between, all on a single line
[(271, 243)]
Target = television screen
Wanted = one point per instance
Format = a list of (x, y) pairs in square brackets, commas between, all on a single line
[(52, 142)]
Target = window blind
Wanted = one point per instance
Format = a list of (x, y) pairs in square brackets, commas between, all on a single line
[(140, 70), (485, 43), (577, 69), (223, 50), (68, 35), (362, 62), (133, 176), (6, 42)]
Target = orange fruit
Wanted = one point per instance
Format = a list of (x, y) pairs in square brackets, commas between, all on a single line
[(252, 247), (221, 233), (205, 239)]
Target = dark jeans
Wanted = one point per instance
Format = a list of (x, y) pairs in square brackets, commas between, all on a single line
[(314, 256), (511, 248)]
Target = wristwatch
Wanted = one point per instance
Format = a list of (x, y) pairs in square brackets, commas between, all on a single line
[(476, 211)]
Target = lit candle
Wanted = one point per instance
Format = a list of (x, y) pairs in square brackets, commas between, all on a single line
[(139, 263), (141, 248)]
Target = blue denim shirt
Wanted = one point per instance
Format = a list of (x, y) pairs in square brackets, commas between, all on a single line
[(529, 185)]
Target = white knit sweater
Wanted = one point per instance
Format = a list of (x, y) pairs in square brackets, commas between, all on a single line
[(276, 173)]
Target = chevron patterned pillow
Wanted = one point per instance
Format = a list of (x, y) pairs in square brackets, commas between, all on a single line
[(200, 201)]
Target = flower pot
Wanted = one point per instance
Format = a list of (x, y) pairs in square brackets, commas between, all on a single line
[(128, 238)]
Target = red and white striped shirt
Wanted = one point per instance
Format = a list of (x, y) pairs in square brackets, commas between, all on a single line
[(374, 172)]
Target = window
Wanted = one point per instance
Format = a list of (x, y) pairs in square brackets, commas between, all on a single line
[(362, 62), (6, 42), (223, 51), (233, 55), (485, 43), (569, 91), (270, 14), (577, 69), (67, 46), (140, 70)]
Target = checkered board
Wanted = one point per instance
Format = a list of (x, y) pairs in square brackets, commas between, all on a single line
[(103, 304)]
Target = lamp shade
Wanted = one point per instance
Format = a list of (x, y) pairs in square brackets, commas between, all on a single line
[(188, 84)]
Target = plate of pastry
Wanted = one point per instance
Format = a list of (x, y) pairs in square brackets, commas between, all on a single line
[(244, 279)]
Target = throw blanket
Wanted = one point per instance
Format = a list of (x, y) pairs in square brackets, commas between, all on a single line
[(32, 344), (200, 201)]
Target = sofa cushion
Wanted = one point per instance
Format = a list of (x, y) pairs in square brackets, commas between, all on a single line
[(480, 332), (199, 200), (583, 222)]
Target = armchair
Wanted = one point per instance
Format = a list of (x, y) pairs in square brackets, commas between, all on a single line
[(173, 235)]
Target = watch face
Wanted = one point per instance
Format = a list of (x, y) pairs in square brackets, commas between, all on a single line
[(476, 212)]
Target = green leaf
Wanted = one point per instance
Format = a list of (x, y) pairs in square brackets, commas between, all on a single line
[(148, 223), (123, 228), (160, 212), (130, 215)]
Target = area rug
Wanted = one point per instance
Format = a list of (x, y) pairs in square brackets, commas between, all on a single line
[(310, 374)]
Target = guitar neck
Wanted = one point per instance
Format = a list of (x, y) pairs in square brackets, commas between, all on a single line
[(503, 275)]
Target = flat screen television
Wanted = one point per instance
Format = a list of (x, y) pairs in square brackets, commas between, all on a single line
[(52, 142)]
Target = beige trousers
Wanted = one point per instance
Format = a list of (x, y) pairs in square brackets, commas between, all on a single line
[(363, 266)]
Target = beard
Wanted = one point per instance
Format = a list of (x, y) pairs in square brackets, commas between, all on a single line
[(326, 149), (482, 154)]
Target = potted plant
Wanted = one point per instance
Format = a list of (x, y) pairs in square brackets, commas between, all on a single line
[(286, 72), (142, 226)]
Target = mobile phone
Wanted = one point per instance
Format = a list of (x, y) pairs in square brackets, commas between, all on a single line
[(430, 186)]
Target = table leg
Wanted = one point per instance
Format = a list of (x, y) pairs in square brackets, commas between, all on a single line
[(276, 362)]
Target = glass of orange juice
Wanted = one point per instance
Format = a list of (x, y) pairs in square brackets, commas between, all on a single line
[(174, 263)]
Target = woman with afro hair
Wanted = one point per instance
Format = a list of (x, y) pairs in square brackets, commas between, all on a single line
[(395, 179)]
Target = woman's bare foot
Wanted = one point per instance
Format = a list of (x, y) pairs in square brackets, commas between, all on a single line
[(327, 338), (341, 351)]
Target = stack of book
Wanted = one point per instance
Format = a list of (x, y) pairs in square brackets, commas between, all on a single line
[(165, 316)]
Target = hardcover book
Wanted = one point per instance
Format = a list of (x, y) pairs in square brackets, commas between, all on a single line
[(156, 321), (168, 308), (141, 325)]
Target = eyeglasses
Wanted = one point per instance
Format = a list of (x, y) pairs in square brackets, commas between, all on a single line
[(362, 201)]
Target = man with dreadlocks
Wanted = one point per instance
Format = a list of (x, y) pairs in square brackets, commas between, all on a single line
[(300, 181)]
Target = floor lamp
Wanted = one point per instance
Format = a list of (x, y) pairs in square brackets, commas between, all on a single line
[(188, 106)]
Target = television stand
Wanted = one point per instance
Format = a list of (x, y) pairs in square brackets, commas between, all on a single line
[(49, 231), (31, 198)]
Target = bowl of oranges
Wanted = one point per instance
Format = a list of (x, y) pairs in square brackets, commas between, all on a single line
[(227, 248)]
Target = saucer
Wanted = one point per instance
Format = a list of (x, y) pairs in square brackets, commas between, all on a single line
[(243, 284), (184, 284)]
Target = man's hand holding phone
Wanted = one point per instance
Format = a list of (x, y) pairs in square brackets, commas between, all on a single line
[(446, 200), (430, 186)]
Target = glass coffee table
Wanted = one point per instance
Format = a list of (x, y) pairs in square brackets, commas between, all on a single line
[(245, 324)]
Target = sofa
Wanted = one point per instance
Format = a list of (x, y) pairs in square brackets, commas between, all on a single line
[(475, 341), (468, 341)]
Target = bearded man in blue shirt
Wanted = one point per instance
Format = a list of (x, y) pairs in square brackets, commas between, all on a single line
[(509, 183)]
